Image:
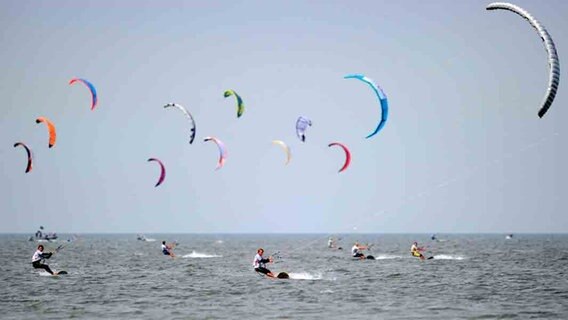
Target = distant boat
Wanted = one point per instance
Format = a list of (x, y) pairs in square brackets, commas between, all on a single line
[(143, 238), (40, 235), (509, 236)]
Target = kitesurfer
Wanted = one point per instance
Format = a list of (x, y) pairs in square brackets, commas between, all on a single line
[(167, 250), (356, 250), (416, 251), (331, 243), (37, 258), (259, 263)]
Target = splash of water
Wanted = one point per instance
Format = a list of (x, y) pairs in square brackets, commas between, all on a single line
[(305, 276), (447, 257), (200, 255), (387, 257)]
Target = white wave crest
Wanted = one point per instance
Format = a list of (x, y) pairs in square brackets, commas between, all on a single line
[(447, 257), (201, 255)]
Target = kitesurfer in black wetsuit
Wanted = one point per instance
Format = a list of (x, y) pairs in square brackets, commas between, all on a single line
[(37, 258), (260, 262), (356, 251), (167, 250)]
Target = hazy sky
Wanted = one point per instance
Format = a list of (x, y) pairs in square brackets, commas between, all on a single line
[(462, 151)]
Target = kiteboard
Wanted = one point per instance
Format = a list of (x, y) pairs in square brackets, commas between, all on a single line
[(283, 275), (369, 257), (429, 258)]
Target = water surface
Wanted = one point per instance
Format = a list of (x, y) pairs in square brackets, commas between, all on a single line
[(116, 276)]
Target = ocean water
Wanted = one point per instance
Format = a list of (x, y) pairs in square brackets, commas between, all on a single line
[(119, 277)]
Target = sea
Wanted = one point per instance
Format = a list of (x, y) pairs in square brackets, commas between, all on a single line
[(116, 276)]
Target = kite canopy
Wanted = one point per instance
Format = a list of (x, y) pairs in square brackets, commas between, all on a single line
[(188, 115), (553, 62), (240, 104), (29, 167), (382, 100), (285, 148), (222, 151), (302, 125), (50, 129), (347, 154), (162, 171), (89, 85)]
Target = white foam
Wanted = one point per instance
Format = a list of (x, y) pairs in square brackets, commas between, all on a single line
[(447, 257), (304, 276), (201, 255), (387, 257), (46, 274)]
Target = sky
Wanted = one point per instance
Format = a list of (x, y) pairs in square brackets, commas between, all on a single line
[(463, 149)]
